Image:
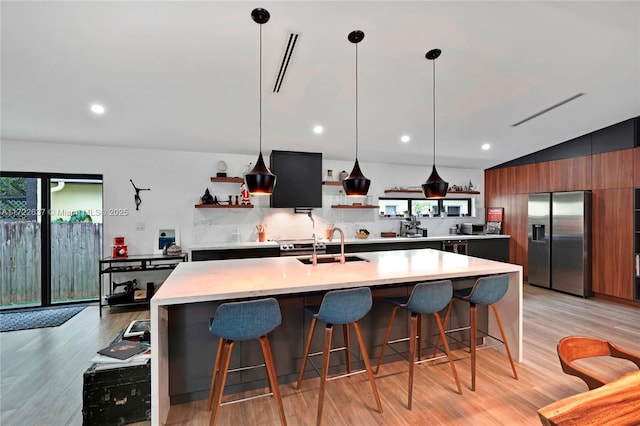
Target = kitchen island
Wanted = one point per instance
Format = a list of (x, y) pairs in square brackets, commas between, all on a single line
[(193, 289)]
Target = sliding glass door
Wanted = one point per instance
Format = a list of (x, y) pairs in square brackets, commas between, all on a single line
[(75, 238), (20, 241), (51, 238)]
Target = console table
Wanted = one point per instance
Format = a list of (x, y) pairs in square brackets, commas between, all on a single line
[(133, 264)]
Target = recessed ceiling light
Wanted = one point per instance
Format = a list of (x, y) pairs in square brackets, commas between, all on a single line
[(405, 138), (97, 109), (486, 146), (318, 130)]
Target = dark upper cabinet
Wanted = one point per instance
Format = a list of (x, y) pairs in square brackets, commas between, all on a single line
[(613, 138), (298, 179), (578, 147)]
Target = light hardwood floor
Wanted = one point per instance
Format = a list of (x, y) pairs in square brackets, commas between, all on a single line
[(42, 374)]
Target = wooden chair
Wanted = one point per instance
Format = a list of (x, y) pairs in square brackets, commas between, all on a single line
[(572, 348)]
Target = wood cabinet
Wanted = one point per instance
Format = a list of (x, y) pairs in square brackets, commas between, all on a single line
[(636, 167), (612, 242), (526, 179), (516, 226), (612, 169), (636, 243), (571, 174)]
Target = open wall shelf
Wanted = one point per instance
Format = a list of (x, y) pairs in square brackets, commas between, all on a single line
[(223, 206), (227, 179), (419, 191), (349, 206)]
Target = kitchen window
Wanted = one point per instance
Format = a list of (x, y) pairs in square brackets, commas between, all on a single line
[(401, 207)]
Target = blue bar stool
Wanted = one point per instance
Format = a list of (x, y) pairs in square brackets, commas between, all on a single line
[(341, 307), (425, 298), (486, 291), (238, 321)]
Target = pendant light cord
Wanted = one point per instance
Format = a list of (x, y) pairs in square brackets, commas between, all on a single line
[(260, 94), (356, 101), (434, 113)]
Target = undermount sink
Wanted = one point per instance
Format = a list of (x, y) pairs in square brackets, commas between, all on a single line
[(332, 259)]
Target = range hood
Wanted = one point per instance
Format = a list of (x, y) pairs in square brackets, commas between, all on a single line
[(299, 181)]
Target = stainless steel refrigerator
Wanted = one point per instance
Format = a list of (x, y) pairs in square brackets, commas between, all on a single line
[(559, 246)]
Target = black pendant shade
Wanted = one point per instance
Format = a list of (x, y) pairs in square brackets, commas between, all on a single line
[(435, 187), (260, 180), (356, 184)]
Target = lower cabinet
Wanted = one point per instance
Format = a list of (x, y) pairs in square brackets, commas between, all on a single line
[(222, 254), (492, 249), (365, 247)]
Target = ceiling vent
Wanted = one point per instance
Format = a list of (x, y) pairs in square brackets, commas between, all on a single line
[(292, 41), (548, 109)]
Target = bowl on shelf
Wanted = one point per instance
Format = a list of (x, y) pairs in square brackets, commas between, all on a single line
[(363, 234)]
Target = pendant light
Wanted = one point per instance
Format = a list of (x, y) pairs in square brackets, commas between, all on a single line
[(260, 180), (435, 187), (356, 184)]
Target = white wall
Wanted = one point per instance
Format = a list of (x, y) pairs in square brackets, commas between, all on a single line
[(178, 178)]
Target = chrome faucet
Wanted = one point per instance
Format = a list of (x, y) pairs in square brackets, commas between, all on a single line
[(314, 257), (342, 258)]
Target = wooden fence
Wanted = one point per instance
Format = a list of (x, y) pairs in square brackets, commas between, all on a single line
[(75, 251)]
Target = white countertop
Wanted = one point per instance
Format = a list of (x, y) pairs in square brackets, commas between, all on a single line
[(336, 241), (238, 278)]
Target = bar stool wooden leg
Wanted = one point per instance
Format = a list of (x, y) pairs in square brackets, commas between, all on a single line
[(504, 339), (216, 368), (347, 344), (419, 338), (367, 364), (273, 377), (413, 330), (473, 310), (448, 351), (307, 347), (326, 354), (386, 337), (225, 358), (444, 321)]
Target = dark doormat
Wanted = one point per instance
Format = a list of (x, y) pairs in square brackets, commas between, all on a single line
[(39, 318)]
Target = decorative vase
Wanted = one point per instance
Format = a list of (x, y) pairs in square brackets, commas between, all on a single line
[(207, 198), (343, 175)]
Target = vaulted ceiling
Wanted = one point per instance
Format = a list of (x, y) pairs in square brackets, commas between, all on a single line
[(184, 75)]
